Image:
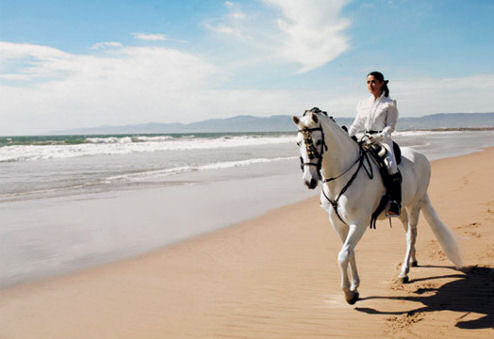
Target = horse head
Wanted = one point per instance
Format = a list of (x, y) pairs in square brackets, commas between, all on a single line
[(311, 143)]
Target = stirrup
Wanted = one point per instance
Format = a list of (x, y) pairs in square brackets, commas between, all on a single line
[(393, 209)]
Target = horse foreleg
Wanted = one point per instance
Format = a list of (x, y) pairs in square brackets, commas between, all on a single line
[(342, 231), (355, 277), (409, 220), (344, 257)]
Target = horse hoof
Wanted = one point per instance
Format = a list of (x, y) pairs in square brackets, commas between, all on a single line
[(404, 280), (414, 264), (352, 297)]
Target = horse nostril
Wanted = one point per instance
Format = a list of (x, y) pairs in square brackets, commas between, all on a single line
[(313, 183)]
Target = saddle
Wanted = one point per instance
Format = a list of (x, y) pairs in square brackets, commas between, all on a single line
[(378, 153)]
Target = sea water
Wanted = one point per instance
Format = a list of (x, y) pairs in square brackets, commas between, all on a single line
[(69, 202)]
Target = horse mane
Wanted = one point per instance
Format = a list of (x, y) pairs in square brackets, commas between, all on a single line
[(315, 110), (323, 114)]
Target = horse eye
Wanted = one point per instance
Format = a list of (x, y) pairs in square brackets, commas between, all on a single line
[(318, 142), (298, 143)]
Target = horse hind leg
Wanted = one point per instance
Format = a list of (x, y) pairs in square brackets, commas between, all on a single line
[(409, 219)]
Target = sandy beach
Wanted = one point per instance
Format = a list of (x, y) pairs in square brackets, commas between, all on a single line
[(276, 277)]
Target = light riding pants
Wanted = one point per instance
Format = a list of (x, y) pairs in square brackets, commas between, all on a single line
[(390, 159)]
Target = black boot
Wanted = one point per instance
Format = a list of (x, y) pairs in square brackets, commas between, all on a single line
[(394, 204)]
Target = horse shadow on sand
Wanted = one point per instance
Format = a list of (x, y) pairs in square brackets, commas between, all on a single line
[(472, 292)]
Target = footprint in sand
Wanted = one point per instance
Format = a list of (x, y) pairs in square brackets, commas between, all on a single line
[(470, 225), (404, 320), (490, 214), (488, 253), (435, 252), (426, 288), (472, 234)]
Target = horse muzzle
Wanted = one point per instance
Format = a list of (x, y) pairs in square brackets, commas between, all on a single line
[(311, 184)]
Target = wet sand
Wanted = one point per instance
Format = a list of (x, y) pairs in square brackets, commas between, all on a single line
[(276, 277)]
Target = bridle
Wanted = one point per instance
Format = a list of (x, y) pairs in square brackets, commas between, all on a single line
[(311, 149)]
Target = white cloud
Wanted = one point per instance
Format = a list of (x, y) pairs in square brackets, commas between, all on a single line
[(54, 89), (225, 29), (313, 31), (231, 24), (106, 44), (28, 61), (308, 33), (149, 37)]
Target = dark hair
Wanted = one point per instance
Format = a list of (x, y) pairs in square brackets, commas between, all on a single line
[(380, 77)]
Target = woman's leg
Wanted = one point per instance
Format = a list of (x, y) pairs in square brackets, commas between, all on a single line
[(394, 206), (390, 160)]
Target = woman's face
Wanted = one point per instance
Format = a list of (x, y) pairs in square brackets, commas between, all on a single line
[(374, 86)]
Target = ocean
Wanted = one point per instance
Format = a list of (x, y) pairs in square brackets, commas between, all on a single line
[(63, 165), (70, 202)]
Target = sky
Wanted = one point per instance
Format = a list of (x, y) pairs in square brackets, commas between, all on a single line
[(76, 64)]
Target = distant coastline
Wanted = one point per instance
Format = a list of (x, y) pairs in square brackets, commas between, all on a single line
[(448, 129), (283, 123)]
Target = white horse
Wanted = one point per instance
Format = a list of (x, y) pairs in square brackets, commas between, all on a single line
[(350, 196)]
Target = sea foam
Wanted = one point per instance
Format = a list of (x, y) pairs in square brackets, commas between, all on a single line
[(126, 145)]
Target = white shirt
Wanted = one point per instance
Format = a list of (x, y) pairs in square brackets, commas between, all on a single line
[(379, 114)]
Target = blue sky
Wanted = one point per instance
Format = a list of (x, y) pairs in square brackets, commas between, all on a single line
[(66, 64)]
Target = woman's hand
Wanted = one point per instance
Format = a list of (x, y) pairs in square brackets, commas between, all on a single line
[(375, 138)]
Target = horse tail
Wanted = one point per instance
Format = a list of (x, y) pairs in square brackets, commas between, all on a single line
[(442, 233)]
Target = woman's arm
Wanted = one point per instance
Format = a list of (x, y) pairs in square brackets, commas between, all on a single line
[(391, 119), (357, 124)]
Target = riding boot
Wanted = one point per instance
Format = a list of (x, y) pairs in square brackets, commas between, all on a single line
[(394, 205)]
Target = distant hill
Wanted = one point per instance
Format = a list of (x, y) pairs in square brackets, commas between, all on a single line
[(282, 123), (240, 123), (448, 120)]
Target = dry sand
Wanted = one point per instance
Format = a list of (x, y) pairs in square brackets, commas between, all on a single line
[(277, 277)]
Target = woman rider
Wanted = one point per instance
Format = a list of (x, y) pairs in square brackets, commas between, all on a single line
[(377, 115)]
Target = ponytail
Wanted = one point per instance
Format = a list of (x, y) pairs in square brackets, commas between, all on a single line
[(385, 88)]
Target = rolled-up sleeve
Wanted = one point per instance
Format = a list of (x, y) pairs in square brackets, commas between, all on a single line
[(391, 119)]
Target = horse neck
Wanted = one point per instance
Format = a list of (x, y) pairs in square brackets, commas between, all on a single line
[(342, 151)]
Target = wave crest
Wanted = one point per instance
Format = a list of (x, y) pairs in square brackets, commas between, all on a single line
[(125, 145)]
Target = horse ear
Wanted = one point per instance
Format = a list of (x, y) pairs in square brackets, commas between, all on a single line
[(314, 118), (295, 119)]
